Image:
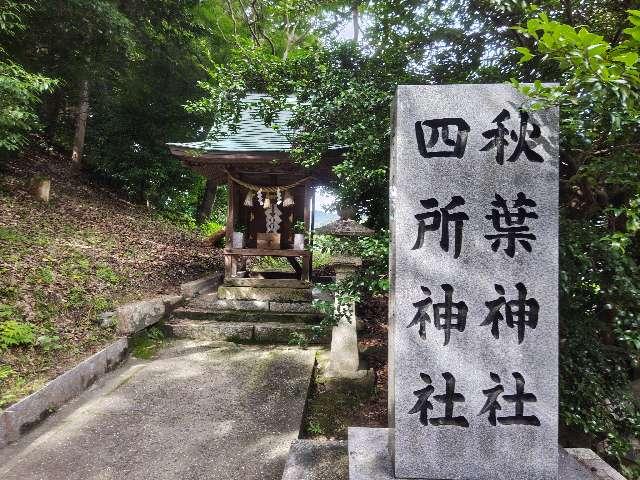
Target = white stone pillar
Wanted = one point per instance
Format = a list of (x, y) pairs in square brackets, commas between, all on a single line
[(344, 338)]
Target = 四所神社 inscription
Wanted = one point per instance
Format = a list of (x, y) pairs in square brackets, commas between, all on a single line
[(474, 267)]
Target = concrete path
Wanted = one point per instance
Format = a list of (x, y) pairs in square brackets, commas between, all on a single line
[(201, 410)]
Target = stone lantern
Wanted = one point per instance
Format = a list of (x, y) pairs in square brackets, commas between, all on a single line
[(344, 338)]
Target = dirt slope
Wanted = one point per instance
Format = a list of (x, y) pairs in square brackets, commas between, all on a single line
[(64, 263)]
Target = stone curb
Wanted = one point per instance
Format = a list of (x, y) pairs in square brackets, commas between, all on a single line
[(136, 316), (596, 465), (201, 285), (28, 412)]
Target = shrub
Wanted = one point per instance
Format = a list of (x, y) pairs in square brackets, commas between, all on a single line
[(14, 333)]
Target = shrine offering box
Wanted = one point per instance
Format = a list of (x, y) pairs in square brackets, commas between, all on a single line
[(269, 241)]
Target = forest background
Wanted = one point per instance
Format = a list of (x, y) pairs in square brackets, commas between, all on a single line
[(110, 82)]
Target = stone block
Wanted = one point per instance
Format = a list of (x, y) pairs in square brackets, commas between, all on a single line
[(264, 294), (201, 285), (317, 460), (322, 295), (171, 302), (345, 357), (116, 353), (210, 330), (225, 316), (215, 304), (133, 317), (293, 307), (369, 459), (266, 282), (278, 332), (599, 469), (107, 319), (459, 276), (197, 411)]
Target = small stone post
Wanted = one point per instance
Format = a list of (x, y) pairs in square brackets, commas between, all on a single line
[(344, 338), (40, 188)]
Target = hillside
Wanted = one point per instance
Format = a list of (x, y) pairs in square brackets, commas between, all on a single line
[(64, 263)]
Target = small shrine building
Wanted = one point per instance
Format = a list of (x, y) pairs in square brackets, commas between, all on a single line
[(271, 198)]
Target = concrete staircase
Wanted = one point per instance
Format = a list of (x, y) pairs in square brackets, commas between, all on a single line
[(269, 312)]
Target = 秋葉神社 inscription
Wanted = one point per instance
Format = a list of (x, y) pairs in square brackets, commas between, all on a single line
[(474, 278)]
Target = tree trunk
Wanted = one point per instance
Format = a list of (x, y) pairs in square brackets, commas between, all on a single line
[(356, 20), (206, 205), (81, 124)]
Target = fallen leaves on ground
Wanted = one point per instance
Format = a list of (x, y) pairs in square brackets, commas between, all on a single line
[(64, 263)]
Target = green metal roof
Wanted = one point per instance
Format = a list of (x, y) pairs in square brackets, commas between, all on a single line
[(252, 134)]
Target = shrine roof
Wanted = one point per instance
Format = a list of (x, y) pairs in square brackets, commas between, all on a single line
[(250, 134)]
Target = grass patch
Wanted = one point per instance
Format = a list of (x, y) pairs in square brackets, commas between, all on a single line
[(331, 410), (76, 267), (146, 344), (11, 235), (77, 297), (9, 312), (107, 275), (42, 275), (9, 292), (101, 304)]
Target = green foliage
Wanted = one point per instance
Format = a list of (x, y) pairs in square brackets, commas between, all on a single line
[(370, 279), (5, 372), (298, 227), (48, 343), (8, 312), (315, 428), (298, 339), (599, 95), (107, 275), (101, 304), (600, 338), (11, 235), (76, 297), (599, 87), (43, 275), (211, 227), (20, 90), (146, 343), (14, 333), (20, 93)]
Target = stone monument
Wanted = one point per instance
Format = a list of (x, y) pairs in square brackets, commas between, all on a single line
[(473, 347)]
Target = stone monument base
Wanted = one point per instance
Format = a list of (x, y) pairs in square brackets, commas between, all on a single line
[(369, 459)]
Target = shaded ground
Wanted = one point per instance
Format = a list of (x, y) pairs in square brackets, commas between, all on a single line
[(331, 411), (64, 263), (200, 410)]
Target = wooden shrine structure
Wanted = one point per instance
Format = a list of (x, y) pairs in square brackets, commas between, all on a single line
[(270, 197)]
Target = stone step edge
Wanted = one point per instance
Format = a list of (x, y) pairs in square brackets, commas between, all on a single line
[(245, 316), (253, 306), (244, 332), (286, 295)]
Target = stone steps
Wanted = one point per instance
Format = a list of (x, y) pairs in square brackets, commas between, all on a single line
[(269, 294), (211, 302), (241, 332), (271, 318), (243, 316)]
